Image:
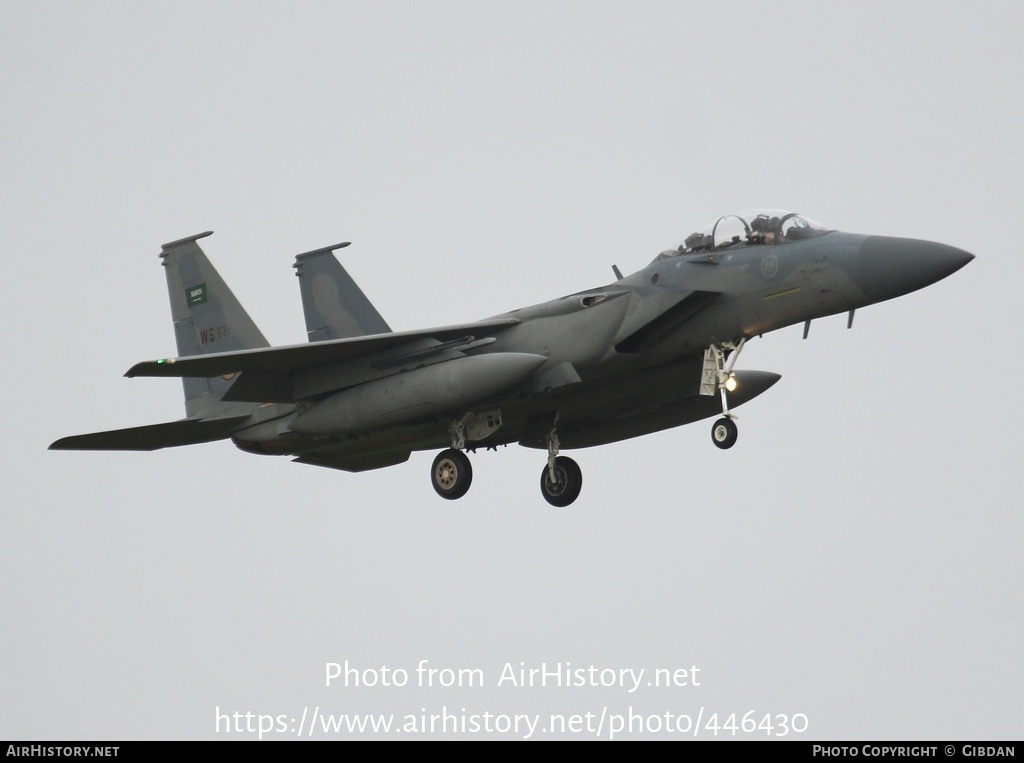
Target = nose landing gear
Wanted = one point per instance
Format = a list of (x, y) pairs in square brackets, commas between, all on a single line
[(717, 376), (724, 433)]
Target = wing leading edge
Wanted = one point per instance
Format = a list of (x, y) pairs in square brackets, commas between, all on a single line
[(299, 357)]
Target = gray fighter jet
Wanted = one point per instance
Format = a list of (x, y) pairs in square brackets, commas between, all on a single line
[(653, 350)]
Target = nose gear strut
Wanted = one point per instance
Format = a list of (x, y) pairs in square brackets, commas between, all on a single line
[(717, 374)]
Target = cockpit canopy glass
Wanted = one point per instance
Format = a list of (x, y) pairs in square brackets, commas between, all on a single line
[(771, 226)]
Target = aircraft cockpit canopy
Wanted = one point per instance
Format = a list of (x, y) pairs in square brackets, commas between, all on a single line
[(762, 227)]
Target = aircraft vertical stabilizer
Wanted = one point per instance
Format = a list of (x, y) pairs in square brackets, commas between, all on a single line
[(334, 305), (208, 318)]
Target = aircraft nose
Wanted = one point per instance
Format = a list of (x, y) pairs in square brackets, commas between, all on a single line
[(894, 266)]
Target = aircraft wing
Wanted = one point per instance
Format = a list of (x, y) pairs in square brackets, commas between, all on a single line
[(296, 357), (154, 436)]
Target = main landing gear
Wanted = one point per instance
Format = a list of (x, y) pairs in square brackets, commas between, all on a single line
[(564, 486), (717, 376), (451, 474), (562, 479)]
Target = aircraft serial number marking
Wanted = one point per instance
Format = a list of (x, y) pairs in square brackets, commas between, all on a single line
[(212, 334)]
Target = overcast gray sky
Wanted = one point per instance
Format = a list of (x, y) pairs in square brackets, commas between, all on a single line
[(855, 559)]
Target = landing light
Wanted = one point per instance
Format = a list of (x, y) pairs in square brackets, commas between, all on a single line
[(730, 384)]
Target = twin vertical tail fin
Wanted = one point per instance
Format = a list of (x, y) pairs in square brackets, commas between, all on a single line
[(208, 318), (334, 306)]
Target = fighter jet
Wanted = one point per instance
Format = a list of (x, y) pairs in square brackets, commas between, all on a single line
[(650, 351)]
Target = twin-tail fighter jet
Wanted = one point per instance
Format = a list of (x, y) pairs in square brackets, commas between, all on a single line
[(654, 350)]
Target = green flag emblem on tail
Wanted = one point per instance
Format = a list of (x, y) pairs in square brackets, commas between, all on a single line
[(195, 295)]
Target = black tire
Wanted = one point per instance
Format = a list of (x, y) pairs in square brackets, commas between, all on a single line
[(451, 474), (724, 433), (567, 485)]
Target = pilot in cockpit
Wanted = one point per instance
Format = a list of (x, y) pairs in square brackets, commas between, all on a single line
[(762, 229)]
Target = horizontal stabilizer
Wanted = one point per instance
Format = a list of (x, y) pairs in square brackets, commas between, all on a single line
[(154, 436), (296, 357)]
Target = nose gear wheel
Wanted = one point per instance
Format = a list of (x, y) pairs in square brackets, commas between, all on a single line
[(724, 433)]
